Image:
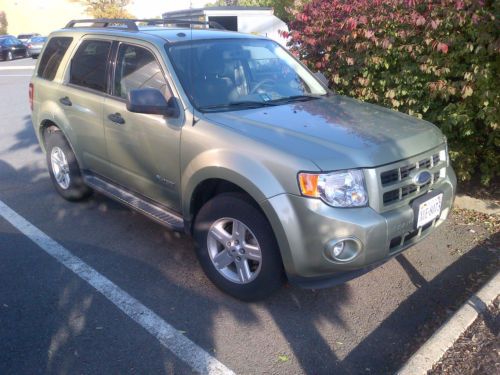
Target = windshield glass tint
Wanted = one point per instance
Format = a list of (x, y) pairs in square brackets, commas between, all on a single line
[(225, 72), (38, 39)]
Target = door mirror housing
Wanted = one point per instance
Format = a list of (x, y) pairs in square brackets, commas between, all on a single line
[(151, 101)]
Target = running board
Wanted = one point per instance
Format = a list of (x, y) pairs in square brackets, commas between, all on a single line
[(146, 207)]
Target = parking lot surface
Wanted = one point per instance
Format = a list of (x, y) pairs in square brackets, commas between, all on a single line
[(53, 321)]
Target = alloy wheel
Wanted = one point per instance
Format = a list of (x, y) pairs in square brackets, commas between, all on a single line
[(234, 250), (60, 167)]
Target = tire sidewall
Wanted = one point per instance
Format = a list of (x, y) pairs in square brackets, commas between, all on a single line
[(77, 189), (271, 275)]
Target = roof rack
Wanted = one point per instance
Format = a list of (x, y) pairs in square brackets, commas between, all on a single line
[(131, 24)]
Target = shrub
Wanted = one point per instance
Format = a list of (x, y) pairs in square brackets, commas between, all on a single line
[(435, 59)]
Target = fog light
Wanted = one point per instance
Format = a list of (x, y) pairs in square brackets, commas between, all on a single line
[(343, 250), (338, 248)]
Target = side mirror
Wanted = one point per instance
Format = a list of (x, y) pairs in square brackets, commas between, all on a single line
[(321, 77), (151, 101)]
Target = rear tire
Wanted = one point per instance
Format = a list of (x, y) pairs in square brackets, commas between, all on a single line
[(63, 167), (249, 262)]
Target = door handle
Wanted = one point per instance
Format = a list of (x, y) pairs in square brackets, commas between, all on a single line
[(66, 101), (116, 118)]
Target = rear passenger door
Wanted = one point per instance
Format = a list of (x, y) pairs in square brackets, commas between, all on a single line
[(82, 100), (143, 149)]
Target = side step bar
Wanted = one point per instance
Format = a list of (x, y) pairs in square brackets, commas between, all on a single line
[(144, 206)]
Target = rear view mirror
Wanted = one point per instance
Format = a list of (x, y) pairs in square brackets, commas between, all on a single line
[(322, 78), (151, 101)]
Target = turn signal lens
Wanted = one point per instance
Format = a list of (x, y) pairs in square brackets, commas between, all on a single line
[(309, 184)]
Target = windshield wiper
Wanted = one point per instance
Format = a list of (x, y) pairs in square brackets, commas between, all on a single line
[(294, 98), (237, 105)]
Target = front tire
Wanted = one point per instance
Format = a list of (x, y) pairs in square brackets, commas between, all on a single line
[(63, 167), (9, 56), (237, 249)]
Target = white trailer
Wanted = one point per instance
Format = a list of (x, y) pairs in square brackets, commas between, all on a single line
[(251, 20)]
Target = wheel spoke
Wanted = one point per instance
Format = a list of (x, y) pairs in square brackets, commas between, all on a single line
[(243, 269), (238, 231), (223, 259), (252, 252), (66, 179), (220, 235), (56, 158)]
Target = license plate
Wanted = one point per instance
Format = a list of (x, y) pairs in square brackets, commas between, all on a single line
[(429, 210)]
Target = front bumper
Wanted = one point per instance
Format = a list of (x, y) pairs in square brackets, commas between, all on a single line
[(304, 226)]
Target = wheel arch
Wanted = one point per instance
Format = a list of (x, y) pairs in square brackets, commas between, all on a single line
[(47, 124), (208, 188)]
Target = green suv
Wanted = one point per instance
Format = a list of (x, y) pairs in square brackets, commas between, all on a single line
[(228, 137)]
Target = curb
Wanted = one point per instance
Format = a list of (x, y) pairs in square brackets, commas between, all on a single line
[(434, 348)]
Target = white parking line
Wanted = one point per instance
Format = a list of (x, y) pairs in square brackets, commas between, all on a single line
[(16, 75), (18, 67), (186, 350)]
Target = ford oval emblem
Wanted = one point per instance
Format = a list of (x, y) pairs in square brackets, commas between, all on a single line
[(422, 177)]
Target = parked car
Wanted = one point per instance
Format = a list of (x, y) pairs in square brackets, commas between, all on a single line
[(35, 45), (228, 137), (11, 48), (26, 37)]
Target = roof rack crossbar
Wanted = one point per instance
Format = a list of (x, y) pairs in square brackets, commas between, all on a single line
[(104, 22), (131, 24)]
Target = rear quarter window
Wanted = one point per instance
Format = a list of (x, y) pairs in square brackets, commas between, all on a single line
[(52, 56)]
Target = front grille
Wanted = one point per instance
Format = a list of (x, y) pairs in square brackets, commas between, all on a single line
[(397, 185), (398, 174)]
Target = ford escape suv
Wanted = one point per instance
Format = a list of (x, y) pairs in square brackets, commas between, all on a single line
[(228, 137)]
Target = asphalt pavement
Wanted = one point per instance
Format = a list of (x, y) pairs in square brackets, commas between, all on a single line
[(53, 321)]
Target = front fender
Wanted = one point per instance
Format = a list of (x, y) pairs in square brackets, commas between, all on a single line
[(247, 173)]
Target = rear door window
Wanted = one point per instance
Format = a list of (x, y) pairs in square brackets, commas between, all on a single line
[(52, 56), (88, 66)]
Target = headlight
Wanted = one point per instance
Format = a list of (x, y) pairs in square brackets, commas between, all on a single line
[(338, 189)]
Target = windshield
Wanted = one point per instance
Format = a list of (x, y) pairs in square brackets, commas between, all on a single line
[(38, 39), (232, 74)]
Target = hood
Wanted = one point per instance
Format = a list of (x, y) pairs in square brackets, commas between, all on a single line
[(335, 132)]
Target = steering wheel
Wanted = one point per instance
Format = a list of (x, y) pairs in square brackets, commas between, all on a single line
[(262, 83)]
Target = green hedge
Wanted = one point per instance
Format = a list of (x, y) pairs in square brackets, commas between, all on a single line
[(437, 60)]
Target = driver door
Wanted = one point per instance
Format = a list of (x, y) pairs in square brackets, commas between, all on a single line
[(143, 149)]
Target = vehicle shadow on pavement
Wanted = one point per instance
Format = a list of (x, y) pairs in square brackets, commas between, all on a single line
[(416, 319), (159, 268)]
